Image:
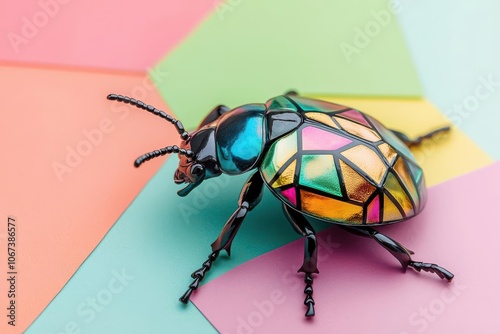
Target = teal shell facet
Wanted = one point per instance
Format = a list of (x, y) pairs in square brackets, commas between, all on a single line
[(240, 138)]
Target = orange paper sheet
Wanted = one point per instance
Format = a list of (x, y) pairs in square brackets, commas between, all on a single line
[(67, 173)]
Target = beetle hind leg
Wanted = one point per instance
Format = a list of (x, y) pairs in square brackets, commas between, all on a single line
[(432, 268), (309, 301), (417, 141), (304, 228), (401, 253)]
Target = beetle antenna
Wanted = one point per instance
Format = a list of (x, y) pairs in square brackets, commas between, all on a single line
[(139, 104), (166, 150)]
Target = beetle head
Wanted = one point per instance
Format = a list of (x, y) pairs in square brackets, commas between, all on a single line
[(202, 164), (197, 152)]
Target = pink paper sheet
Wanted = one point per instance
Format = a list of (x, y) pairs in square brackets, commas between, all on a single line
[(360, 288), (103, 34)]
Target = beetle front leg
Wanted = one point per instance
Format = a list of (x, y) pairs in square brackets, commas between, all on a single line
[(309, 266), (250, 196)]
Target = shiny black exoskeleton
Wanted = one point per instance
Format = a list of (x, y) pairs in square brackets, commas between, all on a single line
[(255, 136)]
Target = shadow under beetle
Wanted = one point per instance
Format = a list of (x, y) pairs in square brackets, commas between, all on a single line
[(320, 159)]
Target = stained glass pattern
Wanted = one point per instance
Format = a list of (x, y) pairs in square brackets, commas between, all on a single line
[(359, 131), (280, 103), (322, 118), (316, 105), (358, 188), (355, 116), (343, 166), (314, 138), (319, 172)]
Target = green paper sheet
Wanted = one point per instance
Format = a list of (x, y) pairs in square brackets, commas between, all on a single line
[(249, 51)]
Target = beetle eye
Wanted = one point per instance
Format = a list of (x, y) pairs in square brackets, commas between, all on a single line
[(197, 170)]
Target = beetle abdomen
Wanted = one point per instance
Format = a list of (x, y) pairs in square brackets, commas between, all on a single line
[(345, 167)]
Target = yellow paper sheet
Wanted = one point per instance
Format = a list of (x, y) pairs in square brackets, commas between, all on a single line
[(443, 157)]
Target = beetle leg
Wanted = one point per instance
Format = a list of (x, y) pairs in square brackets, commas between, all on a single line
[(292, 93), (399, 251), (214, 114), (304, 228), (417, 141), (250, 196), (198, 275)]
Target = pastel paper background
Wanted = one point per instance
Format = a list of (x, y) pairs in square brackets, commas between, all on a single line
[(161, 238), (408, 69), (102, 34), (443, 157), (360, 287), (68, 173), (253, 50), (458, 63)]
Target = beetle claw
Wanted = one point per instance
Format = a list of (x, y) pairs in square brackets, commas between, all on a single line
[(310, 310), (432, 268), (185, 297), (198, 276), (309, 301)]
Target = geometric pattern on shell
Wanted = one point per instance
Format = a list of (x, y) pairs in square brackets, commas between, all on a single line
[(343, 166)]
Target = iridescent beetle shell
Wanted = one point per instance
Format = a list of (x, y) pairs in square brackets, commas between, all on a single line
[(343, 166)]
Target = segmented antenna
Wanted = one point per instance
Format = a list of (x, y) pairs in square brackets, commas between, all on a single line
[(166, 150), (139, 104)]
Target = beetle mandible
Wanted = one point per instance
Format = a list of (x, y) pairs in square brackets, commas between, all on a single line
[(321, 159)]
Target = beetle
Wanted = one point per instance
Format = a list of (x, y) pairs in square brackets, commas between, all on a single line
[(321, 159)]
